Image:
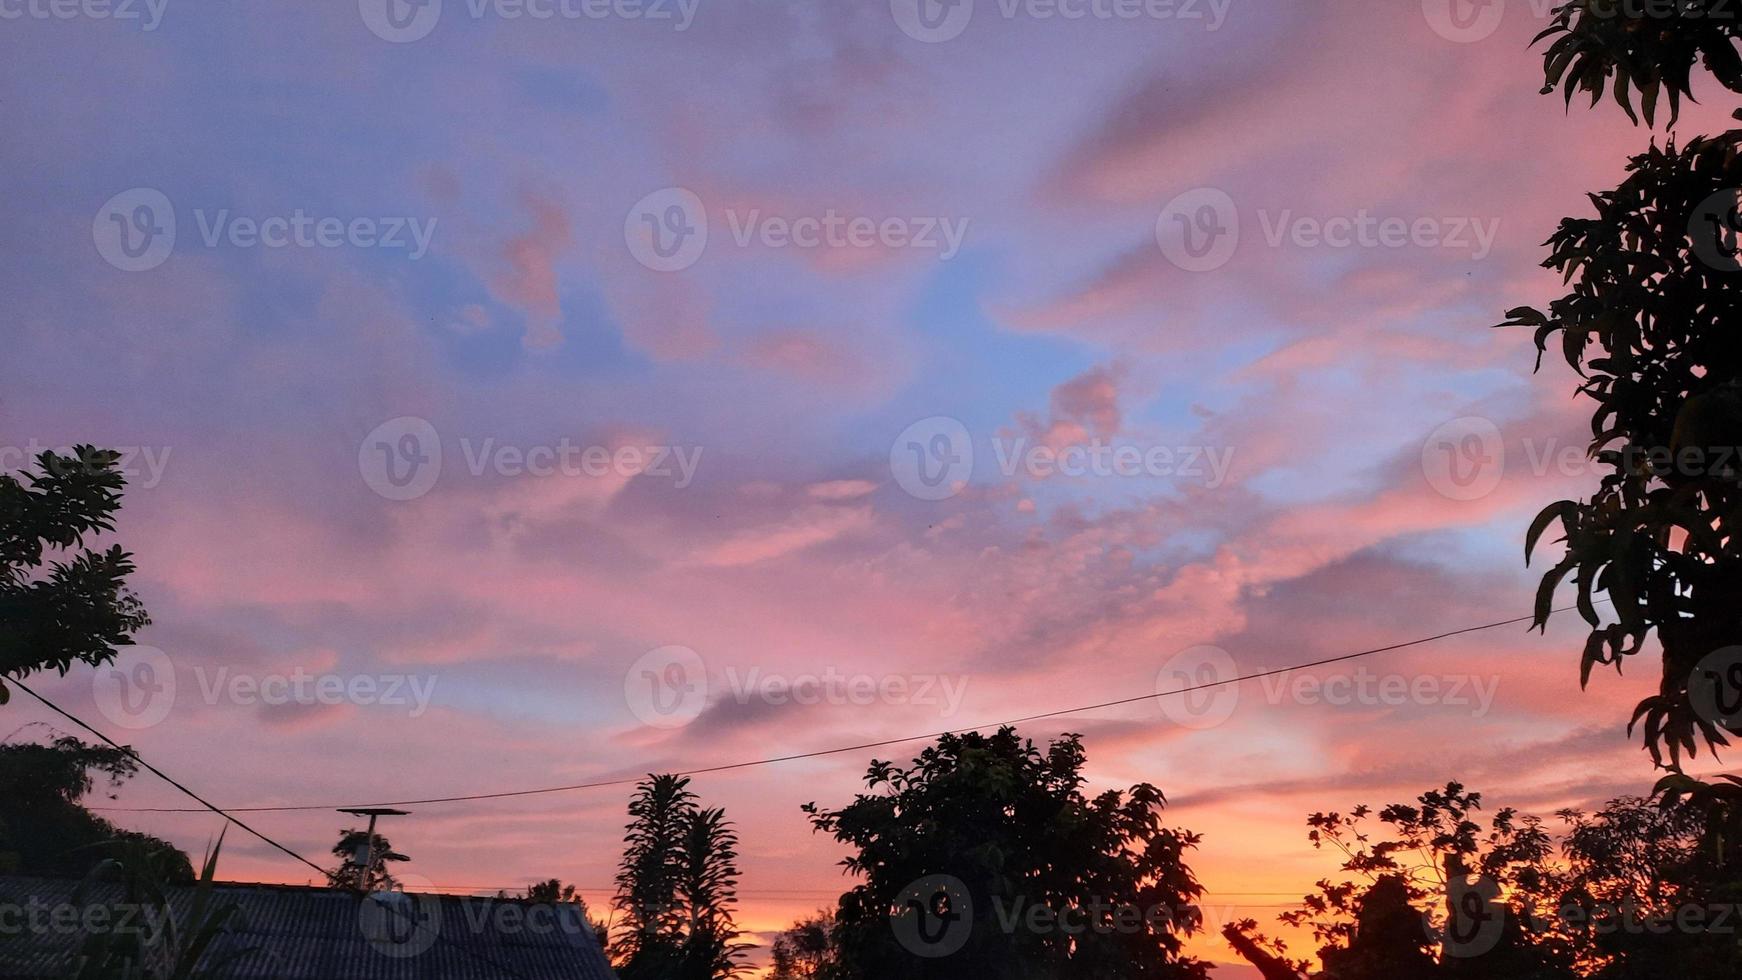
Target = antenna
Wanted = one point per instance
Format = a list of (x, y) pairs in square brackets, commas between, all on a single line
[(366, 853)]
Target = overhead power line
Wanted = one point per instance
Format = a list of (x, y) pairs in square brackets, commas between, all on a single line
[(159, 773), (860, 747)]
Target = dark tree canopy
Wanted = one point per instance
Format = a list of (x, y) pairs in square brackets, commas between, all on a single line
[(1397, 913), (1437, 892), (806, 950), (350, 873), (45, 828), (1651, 327), (677, 888), (1638, 859), (553, 891), (1056, 884), (1650, 324), (1641, 50), (61, 602)]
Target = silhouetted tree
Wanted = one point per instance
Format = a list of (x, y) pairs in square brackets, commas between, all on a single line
[(1650, 324), (550, 891), (350, 872), (1270, 956), (553, 891), (807, 950), (1651, 327), (987, 846), (1437, 894), (1385, 937), (676, 887), (649, 940), (80, 608), (708, 890), (1627, 895), (1643, 50), (45, 828), (1642, 897)]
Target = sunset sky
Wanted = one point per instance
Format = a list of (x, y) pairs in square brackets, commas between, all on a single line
[(999, 267)]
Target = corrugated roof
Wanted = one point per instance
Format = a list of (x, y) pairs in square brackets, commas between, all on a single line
[(304, 933)]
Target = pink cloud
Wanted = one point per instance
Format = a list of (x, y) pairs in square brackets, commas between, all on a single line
[(529, 279), (1084, 407)]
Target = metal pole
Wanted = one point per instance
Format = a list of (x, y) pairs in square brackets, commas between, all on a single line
[(368, 853)]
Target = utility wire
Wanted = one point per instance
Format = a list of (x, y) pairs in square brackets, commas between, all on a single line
[(57, 709), (862, 746), (159, 773)]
